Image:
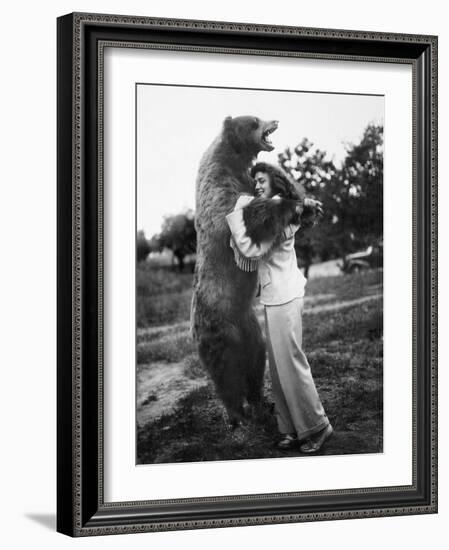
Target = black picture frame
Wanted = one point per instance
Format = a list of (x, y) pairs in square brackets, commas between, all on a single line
[(81, 510)]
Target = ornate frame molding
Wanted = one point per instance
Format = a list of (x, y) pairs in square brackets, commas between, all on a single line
[(81, 508)]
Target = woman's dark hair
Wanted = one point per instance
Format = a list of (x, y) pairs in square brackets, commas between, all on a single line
[(281, 183)]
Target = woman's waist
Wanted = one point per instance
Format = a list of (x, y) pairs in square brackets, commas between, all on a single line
[(274, 297), (280, 274), (279, 286)]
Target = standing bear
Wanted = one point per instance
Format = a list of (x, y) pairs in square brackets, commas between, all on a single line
[(230, 343)]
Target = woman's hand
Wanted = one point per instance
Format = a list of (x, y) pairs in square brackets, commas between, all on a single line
[(312, 212), (315, 206)]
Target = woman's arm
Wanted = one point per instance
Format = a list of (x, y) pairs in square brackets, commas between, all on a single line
[(290, 230), (246, 246)]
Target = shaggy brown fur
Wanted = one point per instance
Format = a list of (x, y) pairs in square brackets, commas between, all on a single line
[(264, 218), (229, 338)]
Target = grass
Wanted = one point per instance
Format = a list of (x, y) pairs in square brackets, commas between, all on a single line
[(163, 295), (170, 348), (343, 342)]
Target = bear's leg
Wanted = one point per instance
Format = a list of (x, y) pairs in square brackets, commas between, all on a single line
[(222, 352), (255, 366)]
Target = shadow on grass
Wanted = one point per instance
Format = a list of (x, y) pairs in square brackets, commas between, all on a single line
[(196, 431)]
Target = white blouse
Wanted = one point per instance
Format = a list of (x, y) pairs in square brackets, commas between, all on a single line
[(280, 278)]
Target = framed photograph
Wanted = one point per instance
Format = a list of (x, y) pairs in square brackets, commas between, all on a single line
[(247, 274)]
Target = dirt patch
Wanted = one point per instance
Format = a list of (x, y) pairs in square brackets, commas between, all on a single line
[(341, 305), (159, 388)]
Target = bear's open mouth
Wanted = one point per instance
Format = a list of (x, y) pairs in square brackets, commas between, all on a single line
[(266, 134)]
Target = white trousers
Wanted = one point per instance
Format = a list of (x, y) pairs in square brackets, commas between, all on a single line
[(297, 405)]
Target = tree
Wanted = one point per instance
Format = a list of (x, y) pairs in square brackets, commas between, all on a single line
[(362, 177), (143, 247), (179, 235), (352, 195), (315, 172)]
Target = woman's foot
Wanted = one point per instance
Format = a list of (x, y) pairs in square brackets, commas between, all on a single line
[(289, 441), (314, 443)]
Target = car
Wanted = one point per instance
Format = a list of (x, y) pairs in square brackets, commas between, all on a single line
[(370, 258)]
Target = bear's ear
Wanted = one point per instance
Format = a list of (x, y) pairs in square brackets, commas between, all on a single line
[(227, 122), (231, 133)]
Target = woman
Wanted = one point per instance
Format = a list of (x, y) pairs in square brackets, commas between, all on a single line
[(300, 414)]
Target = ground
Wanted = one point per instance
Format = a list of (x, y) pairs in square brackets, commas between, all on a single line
[(179, 418)]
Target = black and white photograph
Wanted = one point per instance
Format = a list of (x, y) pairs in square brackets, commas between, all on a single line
[(259, 273)]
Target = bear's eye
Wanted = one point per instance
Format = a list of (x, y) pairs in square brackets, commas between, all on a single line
[(255, 122)]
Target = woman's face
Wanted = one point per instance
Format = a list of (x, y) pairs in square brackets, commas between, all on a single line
[(263, 185)]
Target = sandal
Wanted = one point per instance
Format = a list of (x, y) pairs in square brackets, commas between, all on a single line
[(288, 442), (313, 445)]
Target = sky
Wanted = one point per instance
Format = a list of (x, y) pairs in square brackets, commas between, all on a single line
[(176, 124)]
